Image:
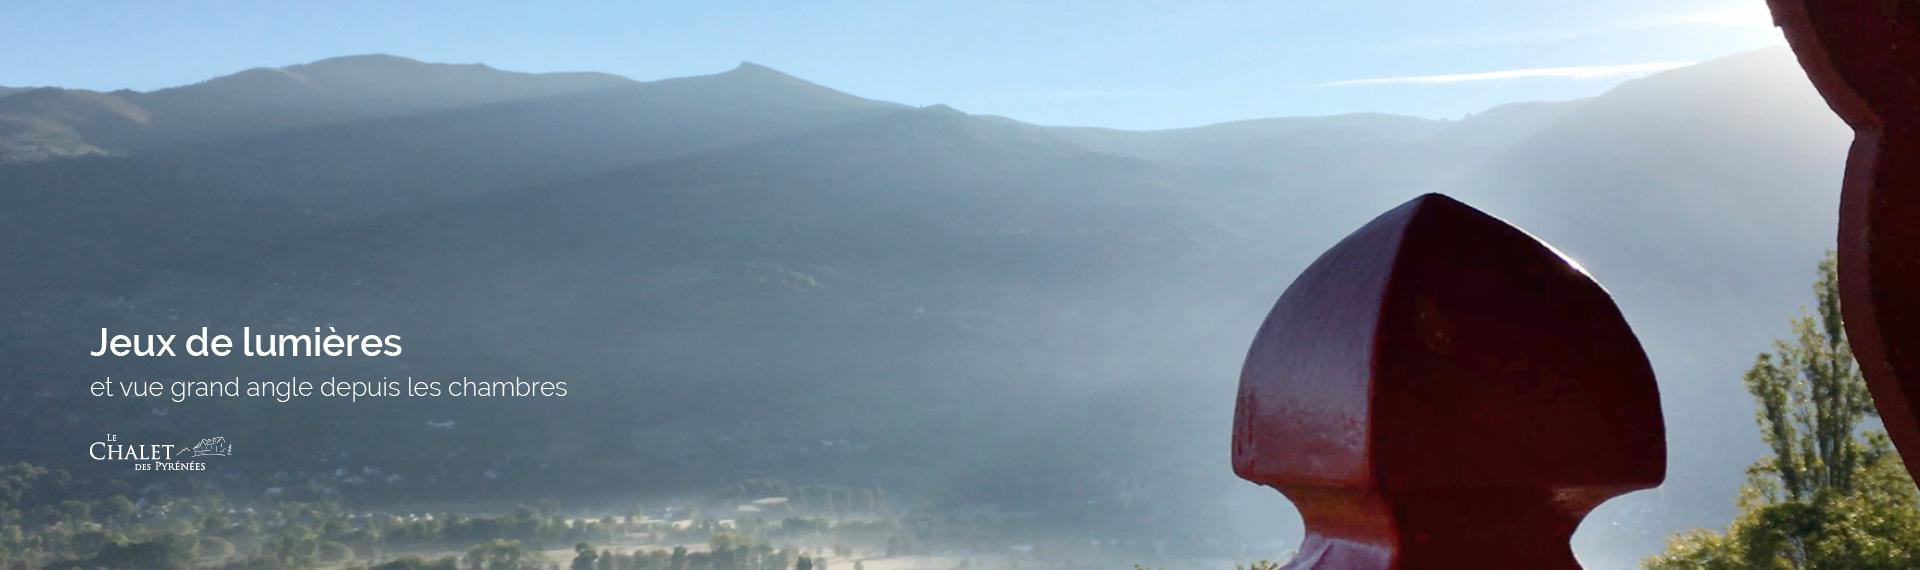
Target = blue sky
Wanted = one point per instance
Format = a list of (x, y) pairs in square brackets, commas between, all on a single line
[(1115, 63)]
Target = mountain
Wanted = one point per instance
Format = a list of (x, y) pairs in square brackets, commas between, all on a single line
[(749, 275), (1506, 125), (49, 123), (63, 122), (304, 180), (341, 89)]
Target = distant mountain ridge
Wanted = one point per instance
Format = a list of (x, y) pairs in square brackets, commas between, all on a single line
[(51, 123), (57, 123)]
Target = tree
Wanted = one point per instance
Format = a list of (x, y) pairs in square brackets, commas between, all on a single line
[(805, 563), (295, 547), (118, 509), (584, 556), (501, 555), (1832, 495), (416, 562)]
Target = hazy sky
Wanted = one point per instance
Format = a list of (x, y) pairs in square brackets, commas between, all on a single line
[(1110, 63)]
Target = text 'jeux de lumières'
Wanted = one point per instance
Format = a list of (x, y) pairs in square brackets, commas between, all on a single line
[(323, 341)]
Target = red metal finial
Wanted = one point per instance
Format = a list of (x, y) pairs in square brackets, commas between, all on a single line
[(1864, 57), (1441, 390)]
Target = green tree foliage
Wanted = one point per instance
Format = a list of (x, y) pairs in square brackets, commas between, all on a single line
[(1832, 496), (584, 556), (117, 509), (413, 562), (502, 555)]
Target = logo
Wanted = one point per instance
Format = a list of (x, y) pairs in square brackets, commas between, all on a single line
[(158, 456), (215, 446)]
